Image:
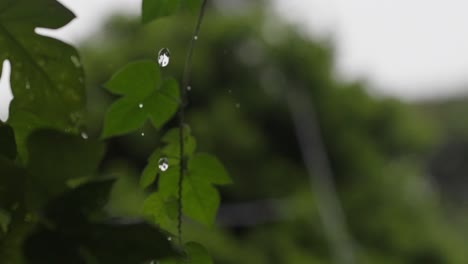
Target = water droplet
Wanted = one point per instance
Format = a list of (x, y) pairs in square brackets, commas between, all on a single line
[(28, 85), (237, 105), (189, 88), (84, 135), (163, 57), (169, 238), (230, 91), (140, 105), (163, 164), (195, 37), (142, 134), (75, 61)]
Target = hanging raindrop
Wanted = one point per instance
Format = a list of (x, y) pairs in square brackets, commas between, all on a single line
[(195, 37), (84, 135), (163, 164), (189, 88), (140, 105), (163, 57)]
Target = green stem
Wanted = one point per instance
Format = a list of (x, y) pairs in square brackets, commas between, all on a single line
[(181, 114)]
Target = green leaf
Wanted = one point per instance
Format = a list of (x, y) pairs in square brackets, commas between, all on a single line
[(144, 96), (208, 167), (154, 9), (7, 142), (46, 74), (162, 211), (197, 254), (152, 168), (200, 200), (54, 159)]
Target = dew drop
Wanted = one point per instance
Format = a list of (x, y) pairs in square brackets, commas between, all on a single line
[(195, 37), (189, 88), (163, 57), (230, 91), (140, 105), (28, 85), (75, 61), (163, 164), (237, 105), (84, 135), (142, 134), (169, 238)]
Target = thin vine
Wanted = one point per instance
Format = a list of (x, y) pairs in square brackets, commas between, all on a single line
[(181, 114)]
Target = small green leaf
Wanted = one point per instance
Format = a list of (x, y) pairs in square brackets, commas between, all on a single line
[(200, 200), (152, 168), (160, 210), (208, 167), (154, 9), (144, 96), (197, 254), (7, 142)]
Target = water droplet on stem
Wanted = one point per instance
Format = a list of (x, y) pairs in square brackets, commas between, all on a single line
[(163, 164), (163, 57)]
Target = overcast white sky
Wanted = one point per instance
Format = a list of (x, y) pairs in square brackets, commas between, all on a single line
[(405, 48)]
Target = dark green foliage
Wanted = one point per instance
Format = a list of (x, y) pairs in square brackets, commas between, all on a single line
[(74, 234), (46, 74)]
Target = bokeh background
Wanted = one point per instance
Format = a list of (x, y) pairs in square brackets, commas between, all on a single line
[(387, 94)]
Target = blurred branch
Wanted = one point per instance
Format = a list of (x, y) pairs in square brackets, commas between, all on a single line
[(320, 173)]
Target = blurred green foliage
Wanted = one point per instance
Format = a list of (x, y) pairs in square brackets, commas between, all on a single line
[(243, 65)]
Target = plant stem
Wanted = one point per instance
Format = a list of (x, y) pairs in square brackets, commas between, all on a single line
[(181, 114)]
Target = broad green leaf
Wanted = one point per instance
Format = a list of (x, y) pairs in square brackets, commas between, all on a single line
[(154, 9), (197, 254), (46, 74), (54, 159), (144, 96), (7, 142), (209, 168)]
